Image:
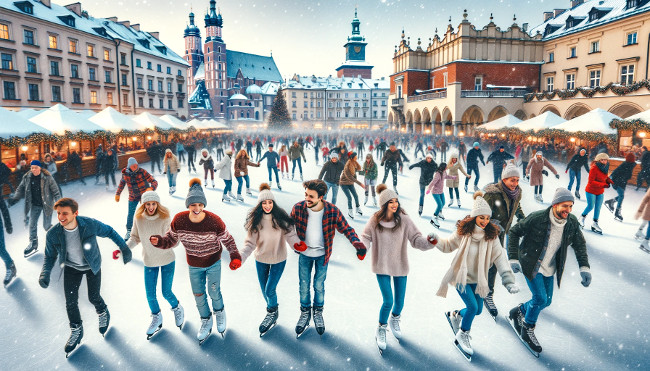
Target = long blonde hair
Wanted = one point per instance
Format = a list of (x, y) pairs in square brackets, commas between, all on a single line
[(242, 154), (161, 211)]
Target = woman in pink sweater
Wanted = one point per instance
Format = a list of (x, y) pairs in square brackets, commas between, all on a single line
[(269, 229), (386, 235), (436, 188)]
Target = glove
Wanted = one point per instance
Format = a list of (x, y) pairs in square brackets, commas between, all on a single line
[(557, 176), (512, 288), (606, 185), (301, 246), (428, 191), (566, 171), (234, 264), (126, 255), (158, 240), (117, 198), (9, 229), (178, 171), (241, 173), (545, 172), (361, 249), (44, 280), (432, 238), (586, 278), (116, 254), (515, 265)]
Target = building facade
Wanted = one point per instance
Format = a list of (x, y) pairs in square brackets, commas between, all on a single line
[(53, 54), (355, 64)]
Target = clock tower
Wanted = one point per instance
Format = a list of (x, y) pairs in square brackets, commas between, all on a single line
[(355, 54)]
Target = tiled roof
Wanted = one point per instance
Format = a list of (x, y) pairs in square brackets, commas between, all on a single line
[(252, 66)]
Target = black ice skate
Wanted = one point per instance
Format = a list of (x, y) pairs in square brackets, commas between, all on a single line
[(11, 274), (76, 334), (31, 249), (104, 321), (488, 302), (318, 320), (303, 321), (527, 337), (269, 321), (516, 318)]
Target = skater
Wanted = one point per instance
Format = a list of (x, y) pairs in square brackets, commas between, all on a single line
[(225, 172), (242, 162), (644, 213), (154, 152), (369, 177), (620, 176), (4, 255), (272, 163), (152, 218), (453, 168), (541, 256), (498, 158), (316, 221), (331, 174), (435, 187), (269, 229), (74, 242), (473, 156), (525, 155), (427, 168), (73, 167), (108, 168), (477, 242), (644, 174), (203, 234), (348, 179), (191, 156), (443, 150), (504, 199), (535, 169), (50, 165), (137, 181), (595, 189), (386, 235), (295, 151), (40, 192), (208, 166), (418, 149), (574, 168), (180, 151), (99, 160), (284, 161), (390, 161), (172, 168)]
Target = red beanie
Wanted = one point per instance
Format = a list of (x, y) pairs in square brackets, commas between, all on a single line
[(630, 157)]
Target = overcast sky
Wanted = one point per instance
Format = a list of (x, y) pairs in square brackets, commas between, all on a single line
[(306, 36)]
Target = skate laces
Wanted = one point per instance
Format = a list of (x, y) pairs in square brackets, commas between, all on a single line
[(74, 335), (489, 301), (465, 337), (103, 319), (177, 313), (381, 333), (154, 321), (530, 331), (268, 319), (220, 315), (304, 316), (394, 323), (318, 318), (205, 324), (9, 274)]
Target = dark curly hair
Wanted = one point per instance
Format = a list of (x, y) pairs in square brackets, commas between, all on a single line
[(465, 227)]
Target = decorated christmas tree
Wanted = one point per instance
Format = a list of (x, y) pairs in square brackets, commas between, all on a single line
[(279, 118)]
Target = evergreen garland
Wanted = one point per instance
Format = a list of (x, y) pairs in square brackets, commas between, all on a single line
[(588, 92)]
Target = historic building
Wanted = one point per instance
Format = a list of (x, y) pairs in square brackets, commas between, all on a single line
[(225, 83), (53, 54), (355, 64)]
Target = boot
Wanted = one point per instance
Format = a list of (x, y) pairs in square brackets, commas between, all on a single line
[(528, 336), (127, 235), (463, 339), (451, 202), (232, 196), (225, 198), (617, 215), (205, 329), (434, 221), (394, 323), (220, 318), (465, 188), (645, 246), (365, 201), (240, 198), (420, 210), (577, 194), (596, 228), (318, 320), (476, 188), (517, 318), (155, 326), (458, 202), (455, 319), (639, 234), (76, 334), (489, 305), (179, 316), (303, 321), (609, 204), (351, 213), (380, 337), (269, 321), (301, 177), (213, 183), (11, 274), (248, 192), (359, 210), (582, 220), (279, 187), (31, 249), (104, 321), (395, 188)]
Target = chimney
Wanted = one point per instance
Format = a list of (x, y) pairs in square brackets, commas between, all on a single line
[(557, 12), (575, 3), (47, 3), (136, 26), (524, 27), (547, 16), (112, 19), (126, 24), (75, 8), (155, 34)]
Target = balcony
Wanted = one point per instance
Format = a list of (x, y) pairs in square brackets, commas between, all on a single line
[(513, 93), (397, 102), (428, 96)]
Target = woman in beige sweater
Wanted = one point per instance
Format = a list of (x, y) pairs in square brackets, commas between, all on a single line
[(269, 229), (172, 168), (348, 180), (386, 235), (477, 242), (152, 218)]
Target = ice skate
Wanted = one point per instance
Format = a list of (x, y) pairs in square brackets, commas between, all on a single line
[(225, 198), (463, 344), (279, 186), (127, 235), (220, 317), (232, 196), (205, 330), (10, 275), (269, 321), (248, 192), (301, 177), (318, 320), (596, 228), (458, 202), (527, 336), (465, 188), (639, 235), (451, 203), (440, 216), (434, 221), (155, 326), (76, 334), (359, 211), (395, 189), (516, 318), (380, 337), (617, 215), (488, 302), (577, 194), (420, 210), (351, 213), (609, 204), (179, 316), (365, 202), (31, 249), (476, 188), (394, 323), (104, 321), (374, 201), (240, 198), (454, 318), (213, 184), (582, 220), (303, 321), (644, 246)]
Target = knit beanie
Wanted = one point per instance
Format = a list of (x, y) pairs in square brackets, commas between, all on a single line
[(271, 145), (475, 144), (429, 156), (602, 156), (561, 195), (334, 155), (132, 161), (229, 151), (195, 195), (265, 193), (385, 194), (480, 207), (36, 162), (539, 153), (510, 171), (352, 154), (149, 196), (630, 157)]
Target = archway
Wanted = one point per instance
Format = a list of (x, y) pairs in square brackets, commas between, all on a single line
[(625, 109), (520, 114), (426, 121), (436, 119), (576, 110), (496, 113), (472, 117), (447, 119), (550, 108)]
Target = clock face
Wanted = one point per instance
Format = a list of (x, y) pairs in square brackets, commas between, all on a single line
[(357, 49)]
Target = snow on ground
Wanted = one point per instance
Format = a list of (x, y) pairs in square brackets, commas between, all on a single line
[(605, 326)]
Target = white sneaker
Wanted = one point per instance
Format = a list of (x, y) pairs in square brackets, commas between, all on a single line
[(463, 338), (380, 336), (205, 330), (179, 315), (220, 316), (394, 322), (156, 324)]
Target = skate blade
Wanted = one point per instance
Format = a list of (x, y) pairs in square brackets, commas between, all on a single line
[(181, 326), (381, 351), (154, 333), (468, 357), (265, 332), (206, 338), (223, 334), (30, 254), (303, 331), (596, 232), (512, 325), (644, 249)]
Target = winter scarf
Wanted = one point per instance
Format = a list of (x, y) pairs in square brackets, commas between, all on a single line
[(603, 168), (511, 194)]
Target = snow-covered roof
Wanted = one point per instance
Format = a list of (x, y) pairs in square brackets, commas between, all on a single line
[(150, 121), (336, 83), (114, 121), (354, 64), (252, 66), (270, 88), (500, 123), (608, 11), (28, 113), (596, 120), (198, 124), (238, 97), (544, 121), (14, 125), (644, 116), (253, 89), (200, 72), (59, 119), (174, 121)]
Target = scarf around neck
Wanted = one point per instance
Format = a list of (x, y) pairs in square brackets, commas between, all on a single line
[(511, 194), (603, 168)]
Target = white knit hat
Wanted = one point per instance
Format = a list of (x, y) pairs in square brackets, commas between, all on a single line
[(385, 194), (265, 193), (480, 207), (509, 171), (149, 196)]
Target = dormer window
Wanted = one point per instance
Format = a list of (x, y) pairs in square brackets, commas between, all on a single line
[(597, 13), (573, 21), (100, 31), (144, 43), (25, 6), (67, 19), (162, 49), (550, 28), (632, 4)]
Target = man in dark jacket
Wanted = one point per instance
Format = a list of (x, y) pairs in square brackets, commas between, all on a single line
[(272, 163), (473, 156), (137, 181), (331, 174), (391, 159), (620, 176), (644, 174), (427, 168), (190, 148), (443, 150), (574, 166), (155, 152), (541, 256), (99, 157), (73, 165), (498, 158), (74, 242)]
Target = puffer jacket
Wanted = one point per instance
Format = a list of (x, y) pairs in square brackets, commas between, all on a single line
[(426, 171), (598, 180), (453, 169), (241, 165), (49, 193), (172, 162), (224, 167)]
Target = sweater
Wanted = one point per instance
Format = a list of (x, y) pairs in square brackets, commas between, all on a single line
[(269, 244), (202, 240), (436, 185), (331, 171), (547, 268), (388, 248), (241, 166), (349, 174), (145, 227)]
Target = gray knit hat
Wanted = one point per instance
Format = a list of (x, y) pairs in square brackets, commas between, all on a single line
[(265, 193), (562, 195), (195, 195), (480, 207), (385, 194), (149, 196), (334, 155), (132, 161), (509, 171)]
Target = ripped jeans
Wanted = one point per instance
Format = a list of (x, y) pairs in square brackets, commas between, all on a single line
[(198, 278)]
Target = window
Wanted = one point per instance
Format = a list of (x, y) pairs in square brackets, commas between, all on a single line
[(305, 104), (161, 105), (4, 32), (293, 94), (478, 83), (150, 103), (571, 81), (631, 4), (54, 68), (76, 95), (31, 65), (550, 83), (74, 71), (149, 84), (181, 74), (9, 88), (572, 52), (123, 59), (109, 98), (180, 103), (594, 78), (631, 38), (125, 100), (92, 75), (140, 83), (93, 97), (138, 63), (56, 93), (169, 104), (90, 50), (124, 80), (444, 83), (33, 91), (594, 46), (7, 61), (149, 65), (551, 57), (180, 88), (293, 115), (72, 46), (293, 104), (169, 87), (160, 86), (140, 102), (159, 68), (107, 55), (28, 37), (53, 42), (107, 77), (627, 74)]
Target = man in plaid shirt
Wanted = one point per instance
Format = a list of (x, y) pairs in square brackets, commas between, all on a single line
[(138, 180), (316, 221)]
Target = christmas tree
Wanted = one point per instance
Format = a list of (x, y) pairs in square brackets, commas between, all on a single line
[(279, 118)]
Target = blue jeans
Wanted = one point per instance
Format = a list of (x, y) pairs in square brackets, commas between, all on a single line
[(4, 255), (240, 181), (228, 186), (269, 276), (171, 178), (422, 191), (296, 161), (474, 169), (34, 213), (573, 175), (271, 170), (394, 303), (593, 202), (349, 193), (198, 278), (542, 289), (473, 305), (440, 201), (133, 205), (621, 194), (335, 191), (166, 278), (305, 264)]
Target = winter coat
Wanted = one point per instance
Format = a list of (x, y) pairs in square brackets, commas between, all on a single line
[(172, 162), (503, 208), (349, 174), (391, 158), (535, 230), (622, 174), (137, 182), (598, 181), (207, 162), (577, 162), (5, 216), (49, 193), (526, 153), (108, 164), (369, 170), (51, 167), (296, 152), (644, 210), (645, 162), (436, 185), (272, 159), (473, 156), (241, 165), (499, 159), (224, 167), (332, 171), (453, 169), (534, 169), (89, 230), (426, 171)]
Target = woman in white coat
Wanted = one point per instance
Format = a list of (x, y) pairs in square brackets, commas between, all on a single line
[(225, 172)]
